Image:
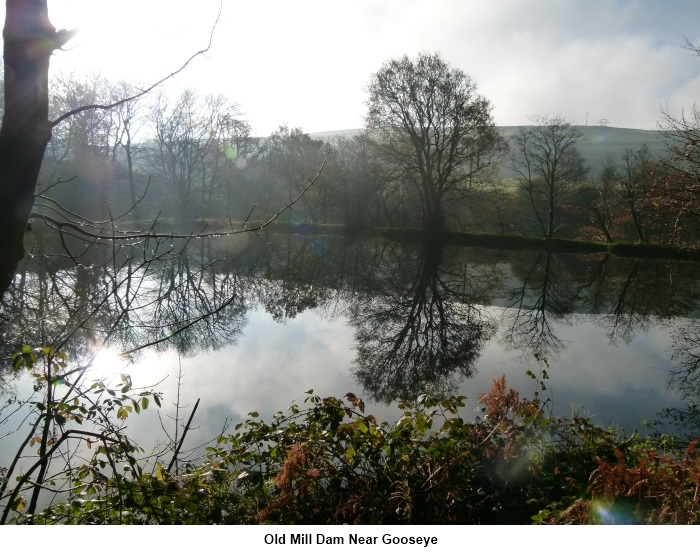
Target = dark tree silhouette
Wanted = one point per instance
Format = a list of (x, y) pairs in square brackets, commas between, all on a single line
[(30, 39), (422, 330), (435, 134), (548, 165)]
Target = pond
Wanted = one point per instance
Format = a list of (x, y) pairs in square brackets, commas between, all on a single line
[(251, 322)]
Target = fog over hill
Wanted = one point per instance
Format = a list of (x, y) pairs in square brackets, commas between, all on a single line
[(597, 142)]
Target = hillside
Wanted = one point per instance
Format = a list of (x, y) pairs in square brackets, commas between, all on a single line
[(597, 143)]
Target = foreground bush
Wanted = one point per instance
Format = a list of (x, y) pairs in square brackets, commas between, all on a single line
[(327, 462)]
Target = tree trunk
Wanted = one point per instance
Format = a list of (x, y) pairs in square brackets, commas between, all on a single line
[(29, 41), (434, 220)]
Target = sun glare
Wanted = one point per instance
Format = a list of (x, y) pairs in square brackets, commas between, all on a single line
[(116, 42), (106, 364)]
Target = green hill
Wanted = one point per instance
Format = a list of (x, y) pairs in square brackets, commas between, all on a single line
[(597, 143)]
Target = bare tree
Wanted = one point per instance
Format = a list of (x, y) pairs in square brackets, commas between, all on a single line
[(599, 200), (352, 182), (192, 135), (291, 154), (131, 121), (636, 187), (434, 132), (29, 41), (548, 166)]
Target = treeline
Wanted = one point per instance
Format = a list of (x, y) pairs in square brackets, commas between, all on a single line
[(191, 159)]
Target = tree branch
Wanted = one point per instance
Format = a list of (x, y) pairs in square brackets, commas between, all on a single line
[(182, 439), (115, 235), (26, 476), (145, 91)]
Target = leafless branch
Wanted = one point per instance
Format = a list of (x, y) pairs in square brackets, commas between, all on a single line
[(145, 91), (115, 235), (182, 439), (691, 46)]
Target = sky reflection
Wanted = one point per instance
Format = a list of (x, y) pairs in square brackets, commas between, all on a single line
[(274, 364)]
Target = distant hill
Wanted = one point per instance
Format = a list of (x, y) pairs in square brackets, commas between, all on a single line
[(597, 142), (332, 134)]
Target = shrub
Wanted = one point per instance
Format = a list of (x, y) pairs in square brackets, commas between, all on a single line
[(328, 462)]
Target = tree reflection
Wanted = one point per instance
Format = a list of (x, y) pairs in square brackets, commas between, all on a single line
[(636, 293), (419, 312), (159, 297), (421, 330), (685, 377), (543, 297), (165, 296), (198, 308), (300, 272)]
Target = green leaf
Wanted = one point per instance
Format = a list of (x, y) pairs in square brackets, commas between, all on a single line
[(144, 403), (17, 361), (19, 505), (159, 473)]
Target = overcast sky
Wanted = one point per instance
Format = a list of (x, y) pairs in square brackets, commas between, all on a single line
[(306, 63)]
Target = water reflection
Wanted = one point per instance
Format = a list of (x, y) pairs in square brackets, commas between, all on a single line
[(421, 328), (421, 315), (630, 294), (685, 376), (545, 294)]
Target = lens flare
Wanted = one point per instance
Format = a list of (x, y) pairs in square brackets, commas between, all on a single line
[(609, 515)]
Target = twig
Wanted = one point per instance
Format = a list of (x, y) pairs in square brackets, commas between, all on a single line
[(145, 91), (117, 235), (26, 476), (184, 434)]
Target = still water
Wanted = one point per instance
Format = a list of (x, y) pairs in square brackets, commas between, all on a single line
[(249, 323)]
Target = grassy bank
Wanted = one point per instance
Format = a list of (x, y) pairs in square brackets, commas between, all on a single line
[(493, 241)]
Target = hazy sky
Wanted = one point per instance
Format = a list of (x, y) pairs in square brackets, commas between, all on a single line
[(306, 62)]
